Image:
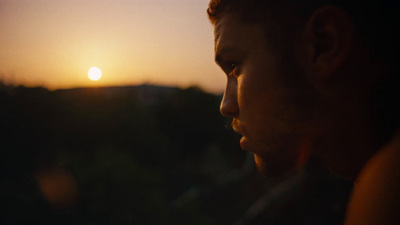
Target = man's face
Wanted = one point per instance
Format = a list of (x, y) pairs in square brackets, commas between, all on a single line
[(270, 110)]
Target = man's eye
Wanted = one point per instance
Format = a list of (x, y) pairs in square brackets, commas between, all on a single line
[(232, 66), (234, 69)]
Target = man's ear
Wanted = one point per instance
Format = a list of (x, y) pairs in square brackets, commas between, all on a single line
[(330, 31)]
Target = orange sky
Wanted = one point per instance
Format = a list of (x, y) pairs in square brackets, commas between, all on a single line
[(53, 43)]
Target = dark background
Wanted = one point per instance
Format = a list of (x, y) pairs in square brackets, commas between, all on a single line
[(143, 155)]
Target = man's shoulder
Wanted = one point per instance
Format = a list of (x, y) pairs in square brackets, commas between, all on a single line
[(376, 196)]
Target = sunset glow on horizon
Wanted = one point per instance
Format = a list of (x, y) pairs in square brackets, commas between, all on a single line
[(161, 42)]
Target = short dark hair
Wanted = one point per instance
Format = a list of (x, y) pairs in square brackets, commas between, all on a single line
[(247, 10), (376, 20)]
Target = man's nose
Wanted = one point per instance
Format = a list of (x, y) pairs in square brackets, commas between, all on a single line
[(229, 105)]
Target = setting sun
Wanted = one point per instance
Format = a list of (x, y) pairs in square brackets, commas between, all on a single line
[(94, 73)]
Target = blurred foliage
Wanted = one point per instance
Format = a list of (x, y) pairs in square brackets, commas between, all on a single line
[(124, 155), (132, 150)]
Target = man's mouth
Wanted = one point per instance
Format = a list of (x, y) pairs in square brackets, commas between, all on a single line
[(236, 127), (243, 142)]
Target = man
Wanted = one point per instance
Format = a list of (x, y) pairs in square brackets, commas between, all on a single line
[(316, 78)]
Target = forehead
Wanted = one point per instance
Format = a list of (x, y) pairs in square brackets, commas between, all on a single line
[(231, 33)]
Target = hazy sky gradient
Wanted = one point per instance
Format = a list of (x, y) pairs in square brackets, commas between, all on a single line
[(53, 43)]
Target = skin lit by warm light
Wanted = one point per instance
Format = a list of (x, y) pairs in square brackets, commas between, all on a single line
[(94, 73)]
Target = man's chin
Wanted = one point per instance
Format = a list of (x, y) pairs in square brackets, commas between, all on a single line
[(274, 168)]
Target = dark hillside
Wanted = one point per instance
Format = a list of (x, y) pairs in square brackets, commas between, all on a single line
[(131, 155)]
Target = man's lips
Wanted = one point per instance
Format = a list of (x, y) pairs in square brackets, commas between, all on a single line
[(239, 130), (243, 142)]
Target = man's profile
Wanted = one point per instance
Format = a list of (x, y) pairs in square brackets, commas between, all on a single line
[(316, 78)]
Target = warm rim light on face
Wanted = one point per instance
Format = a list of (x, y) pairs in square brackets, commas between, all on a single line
[(94, 73)]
